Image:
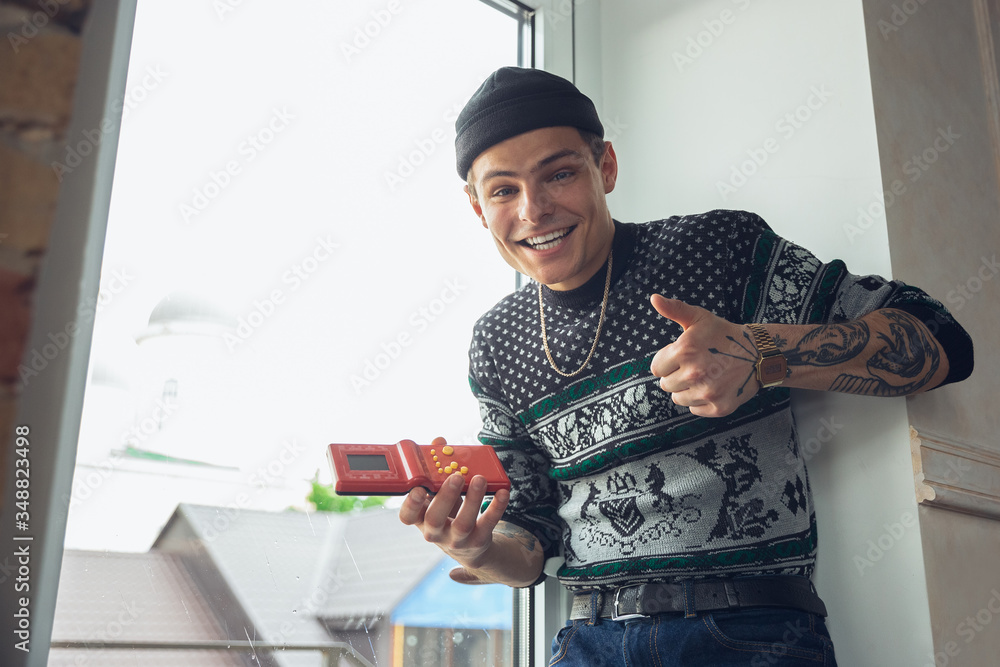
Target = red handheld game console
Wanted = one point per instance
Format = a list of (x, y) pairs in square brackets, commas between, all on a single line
[(392, 470)]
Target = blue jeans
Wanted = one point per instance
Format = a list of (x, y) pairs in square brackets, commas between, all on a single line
[(757, 637)]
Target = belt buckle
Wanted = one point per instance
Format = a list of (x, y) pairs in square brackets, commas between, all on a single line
[(615, 616)]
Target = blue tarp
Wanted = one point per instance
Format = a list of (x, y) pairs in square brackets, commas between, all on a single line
[(439, 602)]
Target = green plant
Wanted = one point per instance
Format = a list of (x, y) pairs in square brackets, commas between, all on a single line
[(325, 499)]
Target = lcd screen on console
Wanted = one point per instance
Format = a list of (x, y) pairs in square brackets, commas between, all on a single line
[(367, 462)]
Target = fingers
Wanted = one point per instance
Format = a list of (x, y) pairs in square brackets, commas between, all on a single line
[(671, 385), (661, 304), (463, 576), (664, 362), (448, 519), (439, 511), (411, 512), (491, 517), (676, 310), (464, 522)]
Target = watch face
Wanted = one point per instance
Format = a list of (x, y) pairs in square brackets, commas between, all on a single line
[(772, 370)]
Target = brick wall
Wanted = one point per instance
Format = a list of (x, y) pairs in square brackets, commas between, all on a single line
[(39, 58)]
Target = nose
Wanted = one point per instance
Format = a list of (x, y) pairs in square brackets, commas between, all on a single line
[(535, 204)]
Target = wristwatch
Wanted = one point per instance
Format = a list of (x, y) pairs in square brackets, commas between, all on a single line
[(771, 365)]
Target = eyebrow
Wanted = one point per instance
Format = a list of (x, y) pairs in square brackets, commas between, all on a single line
[(544, 162)]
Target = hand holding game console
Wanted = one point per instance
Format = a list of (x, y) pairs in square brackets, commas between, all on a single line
[(377, 470), (455, 525)]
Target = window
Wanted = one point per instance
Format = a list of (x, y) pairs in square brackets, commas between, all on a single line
[(290, 262)]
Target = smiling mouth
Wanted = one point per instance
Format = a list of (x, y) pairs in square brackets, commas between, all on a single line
[(546, 241)]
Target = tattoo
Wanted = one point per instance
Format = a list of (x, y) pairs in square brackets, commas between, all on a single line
[(752, 358), (523, 537), (830, 344), (906, 362)]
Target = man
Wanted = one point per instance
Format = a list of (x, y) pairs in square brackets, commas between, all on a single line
[(677, 501)]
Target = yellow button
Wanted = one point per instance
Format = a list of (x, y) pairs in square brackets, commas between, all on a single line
[(447, 450), (447, 469), (433, 451), (464, 470), (454, 465), (435, 458)]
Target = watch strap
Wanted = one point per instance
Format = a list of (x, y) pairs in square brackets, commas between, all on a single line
[(767, 374), (763, 341)]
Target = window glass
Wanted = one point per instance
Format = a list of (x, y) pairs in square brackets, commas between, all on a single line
[(290, 262)]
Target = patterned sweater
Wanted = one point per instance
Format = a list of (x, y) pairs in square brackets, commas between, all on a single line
[(609, 473)]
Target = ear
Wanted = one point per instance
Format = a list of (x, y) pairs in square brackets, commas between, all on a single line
[(475, 205), (609, 167)]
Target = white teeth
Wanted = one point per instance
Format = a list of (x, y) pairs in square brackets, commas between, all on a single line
[(546, 241)]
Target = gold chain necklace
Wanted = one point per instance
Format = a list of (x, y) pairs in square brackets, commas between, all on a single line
[(600, 325)]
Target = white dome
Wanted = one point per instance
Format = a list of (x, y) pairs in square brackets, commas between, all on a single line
[(183, 313)]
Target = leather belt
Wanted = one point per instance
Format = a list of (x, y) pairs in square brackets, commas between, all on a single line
[(691, 597)]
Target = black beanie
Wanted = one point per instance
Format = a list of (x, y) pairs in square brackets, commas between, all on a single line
[(513, 101)]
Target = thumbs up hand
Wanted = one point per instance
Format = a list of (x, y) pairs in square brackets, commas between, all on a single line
[(710, 367)]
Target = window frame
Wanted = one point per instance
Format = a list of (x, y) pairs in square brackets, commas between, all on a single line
[(51, 405)]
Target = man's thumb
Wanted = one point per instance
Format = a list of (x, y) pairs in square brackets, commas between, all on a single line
[(463, 576), (675, 310)]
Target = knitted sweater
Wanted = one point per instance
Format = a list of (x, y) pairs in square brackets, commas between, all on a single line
[(609, 473)]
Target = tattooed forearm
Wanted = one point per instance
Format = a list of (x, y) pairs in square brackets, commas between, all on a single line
[(830, 345), (905, 363), (523, 537)]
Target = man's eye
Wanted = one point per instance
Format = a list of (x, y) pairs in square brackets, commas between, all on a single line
[(503, 192), (562, 175)]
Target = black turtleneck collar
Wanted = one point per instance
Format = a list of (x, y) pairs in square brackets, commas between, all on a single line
[(592, 291)]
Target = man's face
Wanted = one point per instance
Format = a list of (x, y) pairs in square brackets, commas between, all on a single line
[(542, 197)]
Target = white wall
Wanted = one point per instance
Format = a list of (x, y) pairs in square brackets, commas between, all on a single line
[(682, 117), (935, 75)]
